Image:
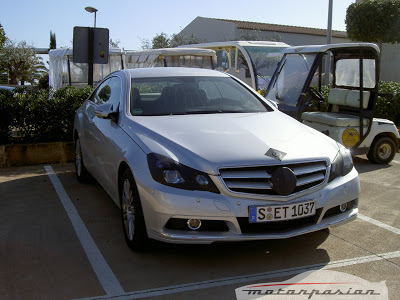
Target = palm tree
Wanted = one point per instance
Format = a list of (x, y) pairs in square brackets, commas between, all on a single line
[(21, 63)]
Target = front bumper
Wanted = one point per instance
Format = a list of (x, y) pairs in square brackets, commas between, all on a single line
[(161, 203)]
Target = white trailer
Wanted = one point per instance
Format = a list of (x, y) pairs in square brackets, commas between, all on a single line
[(63, 71)]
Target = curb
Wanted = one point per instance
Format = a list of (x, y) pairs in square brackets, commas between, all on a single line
[(33, 154)]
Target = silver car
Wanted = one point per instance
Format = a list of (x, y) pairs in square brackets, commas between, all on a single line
[(197, 156)]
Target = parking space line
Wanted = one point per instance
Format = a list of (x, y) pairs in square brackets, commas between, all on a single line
[(379, 224), (246, 278), (103, 272)]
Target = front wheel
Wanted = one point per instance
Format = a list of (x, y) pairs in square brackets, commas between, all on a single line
[(382, 151), (131, 213), (81, 173)]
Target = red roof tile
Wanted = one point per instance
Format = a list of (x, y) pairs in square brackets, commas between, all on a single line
[(283, 28)]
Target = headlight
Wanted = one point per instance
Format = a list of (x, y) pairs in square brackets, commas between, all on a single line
[(169, 172), (342, 164)]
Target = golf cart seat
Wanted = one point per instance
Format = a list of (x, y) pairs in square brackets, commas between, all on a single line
[(343, 98)]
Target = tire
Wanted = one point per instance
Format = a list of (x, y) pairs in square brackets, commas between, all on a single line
[(82, 173), (133, 223), (382, 151)]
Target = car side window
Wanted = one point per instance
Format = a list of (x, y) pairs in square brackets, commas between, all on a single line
[(108, 92)]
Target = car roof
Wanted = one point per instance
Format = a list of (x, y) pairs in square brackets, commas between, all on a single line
[(172, 72)]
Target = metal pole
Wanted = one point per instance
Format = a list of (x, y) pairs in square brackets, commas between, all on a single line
[(329, 31), (328, 41), (90, 55), (95, 19)]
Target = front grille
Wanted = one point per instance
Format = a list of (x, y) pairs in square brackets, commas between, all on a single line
[(258, 180)]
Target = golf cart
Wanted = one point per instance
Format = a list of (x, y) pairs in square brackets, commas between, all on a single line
[(305, 72)]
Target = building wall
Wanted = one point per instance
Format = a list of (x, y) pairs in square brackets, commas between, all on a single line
[(211, 30), (390, 63)]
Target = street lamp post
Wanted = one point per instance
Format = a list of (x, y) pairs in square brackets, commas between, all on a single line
[(92, 10), (91, 45), (329, 29), (328, 41)]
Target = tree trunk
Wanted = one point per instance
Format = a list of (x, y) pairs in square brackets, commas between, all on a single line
[(13, 77)]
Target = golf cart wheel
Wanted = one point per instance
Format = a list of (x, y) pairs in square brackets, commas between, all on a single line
[(81, 173), (382, 151), (131, 213)]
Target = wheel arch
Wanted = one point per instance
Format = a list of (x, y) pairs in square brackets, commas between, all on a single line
[(390, 135), (123, 166)]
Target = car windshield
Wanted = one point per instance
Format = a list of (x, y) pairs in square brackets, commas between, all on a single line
[(192, 95), (265, 61), (291, 78)]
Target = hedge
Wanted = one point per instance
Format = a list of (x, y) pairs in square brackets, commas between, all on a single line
[(42, 115), (389, 107), (39, 115)]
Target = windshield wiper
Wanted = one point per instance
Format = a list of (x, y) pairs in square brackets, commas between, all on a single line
[(219, 111)]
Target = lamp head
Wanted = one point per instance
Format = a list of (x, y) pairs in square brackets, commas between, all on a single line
[(90, 9)]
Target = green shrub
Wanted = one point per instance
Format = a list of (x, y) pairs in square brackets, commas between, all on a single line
[(388, 107), (6, 115), (39, 115)]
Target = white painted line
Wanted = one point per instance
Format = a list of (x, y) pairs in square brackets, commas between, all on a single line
[(379, 224), (395, 161), (246, 278), (105, 275)]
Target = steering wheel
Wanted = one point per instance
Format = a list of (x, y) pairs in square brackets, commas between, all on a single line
[(316, 94)]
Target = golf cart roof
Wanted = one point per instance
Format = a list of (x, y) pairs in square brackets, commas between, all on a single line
[(331, 47)]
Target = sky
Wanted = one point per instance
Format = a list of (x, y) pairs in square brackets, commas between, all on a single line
[(133, 21)]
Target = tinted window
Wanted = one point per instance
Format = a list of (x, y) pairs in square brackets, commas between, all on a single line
[(108, 92), (192, 95)]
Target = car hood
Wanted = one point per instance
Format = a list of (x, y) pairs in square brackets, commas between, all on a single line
[(210, 141)]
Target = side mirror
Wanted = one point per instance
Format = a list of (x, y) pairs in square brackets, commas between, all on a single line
[(106, 111)]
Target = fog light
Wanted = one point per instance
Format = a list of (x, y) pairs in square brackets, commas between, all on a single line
[(343, 207), (194, 224)]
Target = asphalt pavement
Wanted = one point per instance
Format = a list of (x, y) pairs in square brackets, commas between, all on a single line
[(61, 239)]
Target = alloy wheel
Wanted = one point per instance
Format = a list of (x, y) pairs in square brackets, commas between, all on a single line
[(78, 158), (128, 210)]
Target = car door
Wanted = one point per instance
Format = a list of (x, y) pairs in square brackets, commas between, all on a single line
[(106, 134), (88, 139)]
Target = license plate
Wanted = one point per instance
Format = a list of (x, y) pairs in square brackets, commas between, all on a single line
[(281, 212)]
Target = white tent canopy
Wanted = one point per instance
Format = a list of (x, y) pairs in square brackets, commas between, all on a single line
[(63, 71)]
